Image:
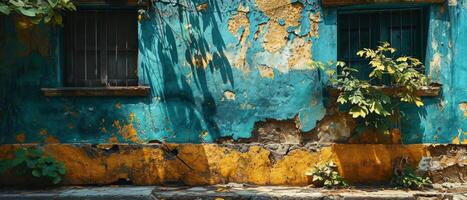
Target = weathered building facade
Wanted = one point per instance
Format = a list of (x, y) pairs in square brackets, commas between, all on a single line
[(219, 71)]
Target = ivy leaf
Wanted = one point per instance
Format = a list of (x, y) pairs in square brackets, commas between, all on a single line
[(419, 103), (4, 9), (28, 12), (36, 173), (53, 3), (357, 112)]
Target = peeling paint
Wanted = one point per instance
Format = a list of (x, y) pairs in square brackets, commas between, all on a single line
[(229, 95), (266, 72), (463, 108), (277, 35), (301, 55)]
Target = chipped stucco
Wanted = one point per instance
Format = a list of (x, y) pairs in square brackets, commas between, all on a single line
[(194, 54)]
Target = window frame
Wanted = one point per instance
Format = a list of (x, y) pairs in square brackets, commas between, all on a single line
[(108, 72), (382, 32), (137, 90)]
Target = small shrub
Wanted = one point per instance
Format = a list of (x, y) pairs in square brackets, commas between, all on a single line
[(363, 100), (326, 175), (31, 160), (409, 179)]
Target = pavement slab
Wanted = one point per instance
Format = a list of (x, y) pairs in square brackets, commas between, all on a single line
[(234, 191)]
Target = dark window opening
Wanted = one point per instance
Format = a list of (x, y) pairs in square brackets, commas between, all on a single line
[(101, 48), (404, 29)]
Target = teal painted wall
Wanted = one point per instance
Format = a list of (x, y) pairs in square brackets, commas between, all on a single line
[(214, 71)]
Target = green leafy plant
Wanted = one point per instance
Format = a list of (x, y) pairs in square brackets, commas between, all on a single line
[(31, 160), (326, 175), (47, 11), (408, 178), (364, 99)]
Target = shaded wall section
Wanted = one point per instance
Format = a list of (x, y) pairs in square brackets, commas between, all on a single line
[(216, 68)]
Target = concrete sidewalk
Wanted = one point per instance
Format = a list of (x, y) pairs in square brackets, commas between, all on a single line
[(231, 191)]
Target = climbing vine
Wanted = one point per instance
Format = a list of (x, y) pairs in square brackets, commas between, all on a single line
[(46, 11)]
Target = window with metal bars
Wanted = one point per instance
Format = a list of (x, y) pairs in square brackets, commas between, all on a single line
[(101, 48), (405, 29)]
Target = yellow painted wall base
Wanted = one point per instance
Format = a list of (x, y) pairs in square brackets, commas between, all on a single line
[(216, 164)]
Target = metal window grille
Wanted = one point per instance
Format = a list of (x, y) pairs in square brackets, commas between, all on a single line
[(405, 29), (101, 48)]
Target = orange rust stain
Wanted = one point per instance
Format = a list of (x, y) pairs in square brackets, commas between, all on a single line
[(113, 140), (51, 140), (21, 137), (127, 131)]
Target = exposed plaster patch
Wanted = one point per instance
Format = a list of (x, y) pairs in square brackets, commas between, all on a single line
[(276, 132), (202, 60), (266, 72), (240, 62), (458, 139), (229, 95), (239, 26), (452, 2), (314, 23), (202, 7), (259, 31), (275, 38), (435, 65), (300, 55), (279, 10), (463, 108), (335, 128), (434, 45)]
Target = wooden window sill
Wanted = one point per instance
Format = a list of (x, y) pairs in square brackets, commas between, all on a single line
[(334, 3), (430, 91), (130, 91)]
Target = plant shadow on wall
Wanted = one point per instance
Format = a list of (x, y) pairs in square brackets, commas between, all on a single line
[(376, 108), (180, 29)]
